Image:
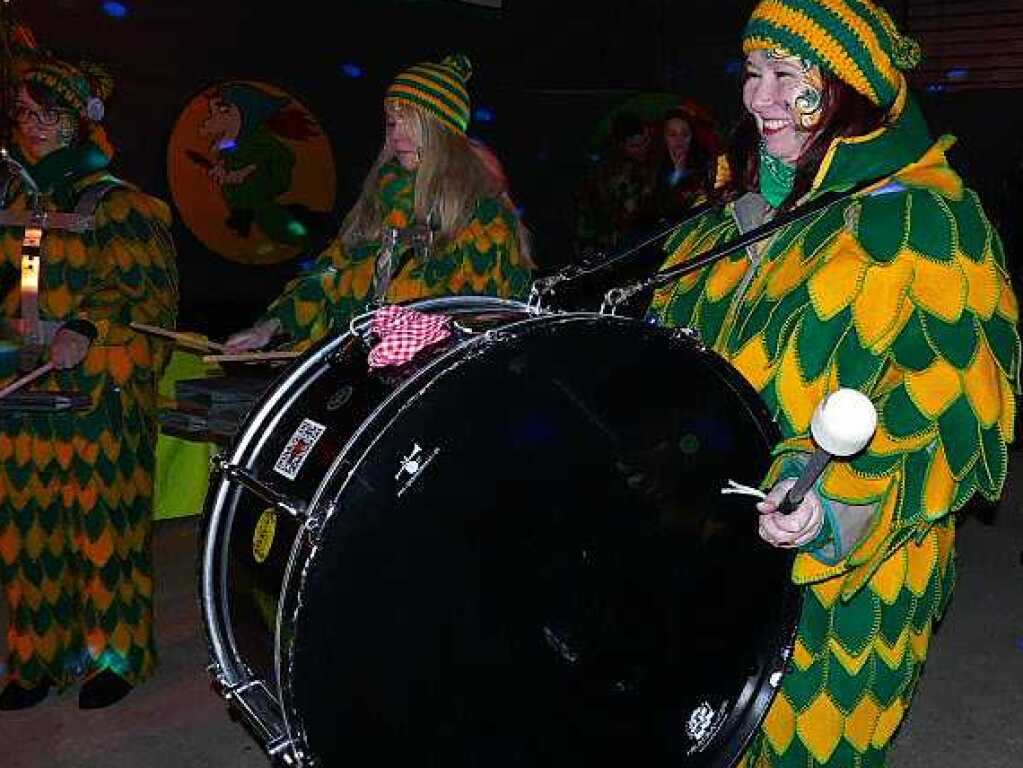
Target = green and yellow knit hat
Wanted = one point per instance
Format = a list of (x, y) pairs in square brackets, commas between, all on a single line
[(81, 89), (855, 40), (437, 89)]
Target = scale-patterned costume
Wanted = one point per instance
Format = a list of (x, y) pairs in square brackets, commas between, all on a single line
[(904, 295), (482, 259), (76, 488)]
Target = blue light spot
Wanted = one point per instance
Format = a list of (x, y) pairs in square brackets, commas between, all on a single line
[(307, 265), (484, 115), (227, 145), (957, 74), (114, 9), (353, 71), (936, 88), (733, 66)]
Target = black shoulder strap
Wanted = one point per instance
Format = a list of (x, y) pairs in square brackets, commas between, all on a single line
[(94, 194)]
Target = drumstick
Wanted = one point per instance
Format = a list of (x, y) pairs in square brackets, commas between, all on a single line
[(250, 357), (182, 338), (28, 378)]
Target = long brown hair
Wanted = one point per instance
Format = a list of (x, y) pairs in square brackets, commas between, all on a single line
[(450, 181), (845, 113)]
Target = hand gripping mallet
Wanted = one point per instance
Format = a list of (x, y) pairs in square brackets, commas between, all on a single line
[(842, 425)]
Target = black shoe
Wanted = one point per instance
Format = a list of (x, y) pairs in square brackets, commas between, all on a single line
[(104, 689), (16, 697)]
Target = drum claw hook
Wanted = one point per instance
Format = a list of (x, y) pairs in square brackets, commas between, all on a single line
[(361, 326)]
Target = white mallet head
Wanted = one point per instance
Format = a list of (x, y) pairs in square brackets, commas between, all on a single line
[(844, 422)]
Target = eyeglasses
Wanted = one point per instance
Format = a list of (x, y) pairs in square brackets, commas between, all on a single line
[(45, 118)]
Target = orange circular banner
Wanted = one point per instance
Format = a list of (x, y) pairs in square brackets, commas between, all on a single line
[(252, 173)]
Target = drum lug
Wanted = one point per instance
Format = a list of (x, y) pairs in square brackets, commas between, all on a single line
[(689, 336), (314, 527), (294, 508), (261, 710), (216, 672), (287, 754), (494, 336), (543, 289)]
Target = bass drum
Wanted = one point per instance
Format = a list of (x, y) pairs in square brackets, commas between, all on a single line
[(513, 551)]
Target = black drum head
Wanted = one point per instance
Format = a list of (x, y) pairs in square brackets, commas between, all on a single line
[(532, 563)]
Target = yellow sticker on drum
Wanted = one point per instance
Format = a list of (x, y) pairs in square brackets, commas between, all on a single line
[(263, 538)]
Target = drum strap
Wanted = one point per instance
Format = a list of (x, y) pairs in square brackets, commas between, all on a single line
[(32, 329), (397, 247), (615, 297)]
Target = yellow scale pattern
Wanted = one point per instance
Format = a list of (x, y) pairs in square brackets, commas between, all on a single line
[(867, 620), (483, 258)]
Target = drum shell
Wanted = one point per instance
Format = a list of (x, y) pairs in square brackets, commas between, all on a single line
[(362, 460)]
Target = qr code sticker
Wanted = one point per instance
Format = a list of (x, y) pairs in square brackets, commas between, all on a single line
[(298, 448)]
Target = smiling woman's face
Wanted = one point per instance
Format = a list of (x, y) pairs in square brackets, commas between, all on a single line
[(783, 93)]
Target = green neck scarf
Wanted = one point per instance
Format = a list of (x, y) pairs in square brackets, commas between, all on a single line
[(776, 178), (396, 193), (57, 173)]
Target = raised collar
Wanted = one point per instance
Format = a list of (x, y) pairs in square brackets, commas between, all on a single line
[(58, 173), (901, 142)]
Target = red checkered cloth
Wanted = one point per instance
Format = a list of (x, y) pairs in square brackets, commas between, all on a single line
[(403, 332)]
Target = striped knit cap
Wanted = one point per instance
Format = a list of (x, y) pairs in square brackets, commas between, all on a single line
[(80, 89), (437, 89), (855, 40)]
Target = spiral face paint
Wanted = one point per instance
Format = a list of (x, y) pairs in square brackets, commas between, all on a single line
[(784, 95), (806, 107)]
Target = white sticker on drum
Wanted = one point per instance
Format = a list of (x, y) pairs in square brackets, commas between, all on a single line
[(298, 448)]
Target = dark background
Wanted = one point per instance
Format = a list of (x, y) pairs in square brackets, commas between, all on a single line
[(548, 72)]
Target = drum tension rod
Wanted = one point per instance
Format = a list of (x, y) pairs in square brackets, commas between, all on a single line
[(293, 507)]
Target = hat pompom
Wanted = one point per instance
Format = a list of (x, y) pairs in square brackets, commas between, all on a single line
[(461, 64), (906, 53), (101, 82)]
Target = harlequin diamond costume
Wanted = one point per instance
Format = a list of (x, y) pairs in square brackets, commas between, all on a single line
[(407, 260), (76, 487), (904, 295)]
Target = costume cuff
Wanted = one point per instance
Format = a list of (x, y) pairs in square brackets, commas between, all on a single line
[(82, 326), (827, 545)]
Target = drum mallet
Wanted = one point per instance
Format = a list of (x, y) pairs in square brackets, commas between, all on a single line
[(842, 425), (28, 378)]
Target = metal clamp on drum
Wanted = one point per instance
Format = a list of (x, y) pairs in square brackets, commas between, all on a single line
[(233, 473)]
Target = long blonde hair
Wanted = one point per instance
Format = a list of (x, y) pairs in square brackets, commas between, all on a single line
[(450, 181)]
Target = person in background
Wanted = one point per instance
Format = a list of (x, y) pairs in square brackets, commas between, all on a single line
[(690, 147), (901, 292), (76, 487), (617, 198), (432, 220)]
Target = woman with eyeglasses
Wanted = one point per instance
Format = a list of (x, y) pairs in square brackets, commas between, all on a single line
[(76, 487)]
